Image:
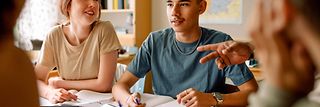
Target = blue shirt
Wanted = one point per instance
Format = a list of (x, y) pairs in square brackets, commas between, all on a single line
[(175, 65)]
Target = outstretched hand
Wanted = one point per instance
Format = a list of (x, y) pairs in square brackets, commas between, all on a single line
[(227, 53)]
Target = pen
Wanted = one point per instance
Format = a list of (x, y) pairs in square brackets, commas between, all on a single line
[(111, 105), (137, 101), (119, 104)]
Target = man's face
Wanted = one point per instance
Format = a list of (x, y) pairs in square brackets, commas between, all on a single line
[(183, 15)]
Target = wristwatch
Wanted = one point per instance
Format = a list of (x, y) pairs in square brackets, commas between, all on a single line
[(218, 96)]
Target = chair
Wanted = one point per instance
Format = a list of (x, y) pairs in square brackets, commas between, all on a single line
[(137, 87), (53, 73)]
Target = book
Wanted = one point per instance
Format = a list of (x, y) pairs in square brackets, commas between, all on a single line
[(110, 4), (86, 98), (115, 4), (120, 4), (104, 4), (151, 100), (173, 103)]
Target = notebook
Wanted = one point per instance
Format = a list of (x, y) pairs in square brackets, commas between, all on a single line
[(85, 98), (173, 103), (151, 100), (88, 98)]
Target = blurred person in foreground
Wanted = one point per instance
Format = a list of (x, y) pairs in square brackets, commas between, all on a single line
[(286, 41), (18, 81)]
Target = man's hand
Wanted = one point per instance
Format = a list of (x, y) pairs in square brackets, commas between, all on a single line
[(227, 53), (194, 98), (134, 100)]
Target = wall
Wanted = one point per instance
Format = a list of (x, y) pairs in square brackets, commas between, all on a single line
[(237, 31)]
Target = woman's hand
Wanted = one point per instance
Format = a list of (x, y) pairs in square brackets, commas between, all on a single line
[(59, 95), (194, 98), (54, 82)]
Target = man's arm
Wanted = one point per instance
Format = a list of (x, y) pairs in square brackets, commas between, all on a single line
[(120, 90), (192, 97), (240, 98)]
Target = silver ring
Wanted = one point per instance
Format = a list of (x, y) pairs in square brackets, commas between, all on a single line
[(186, 91)]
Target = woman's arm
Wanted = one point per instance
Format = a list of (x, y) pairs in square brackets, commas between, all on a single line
[(108, 64), (54, 95), (41, 74)]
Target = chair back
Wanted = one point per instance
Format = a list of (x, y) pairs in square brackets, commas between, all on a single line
[(137, 87)]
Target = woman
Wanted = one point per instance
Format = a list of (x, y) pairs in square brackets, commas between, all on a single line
[(84, 51)]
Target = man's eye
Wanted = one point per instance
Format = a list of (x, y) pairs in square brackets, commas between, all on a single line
[(169, 4), (184, 4)]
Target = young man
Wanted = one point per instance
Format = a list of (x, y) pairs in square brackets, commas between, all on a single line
[(171, 56), (291, 58)]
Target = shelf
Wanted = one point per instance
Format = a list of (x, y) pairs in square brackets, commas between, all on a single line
[(117, 11), (140, 15)]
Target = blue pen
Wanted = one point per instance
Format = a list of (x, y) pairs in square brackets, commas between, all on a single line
[(120, 105), (137, 101)]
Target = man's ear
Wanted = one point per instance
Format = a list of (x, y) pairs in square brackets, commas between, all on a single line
[(203, 6), (281, 14)]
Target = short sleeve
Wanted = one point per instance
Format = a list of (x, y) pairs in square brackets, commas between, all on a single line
[(141, 64), (228, 37), (239, 73), (109, 40), (46, 56)]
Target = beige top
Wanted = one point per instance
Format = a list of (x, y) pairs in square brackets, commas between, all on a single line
[(82, 61)]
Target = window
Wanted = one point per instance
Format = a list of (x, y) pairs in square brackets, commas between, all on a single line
[(36, 19)]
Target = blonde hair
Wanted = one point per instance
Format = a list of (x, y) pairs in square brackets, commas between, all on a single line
[(64, 5)]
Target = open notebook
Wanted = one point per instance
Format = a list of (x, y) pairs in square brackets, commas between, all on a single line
[(86, 98), (173, 103), (153, 101), (159, 101)]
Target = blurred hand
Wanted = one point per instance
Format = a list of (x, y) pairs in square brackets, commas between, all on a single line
[(194, 98), (54, 81), (285, 62), (59, 95), (135, 100), (227, 53)]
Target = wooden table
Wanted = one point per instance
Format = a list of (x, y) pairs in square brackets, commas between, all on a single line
[(257, 74)]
